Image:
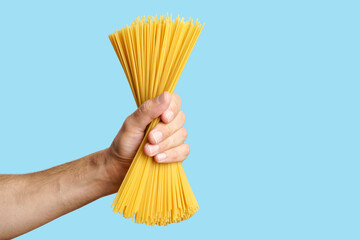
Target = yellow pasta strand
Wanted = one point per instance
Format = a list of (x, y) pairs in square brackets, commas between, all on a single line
[(153, 52)]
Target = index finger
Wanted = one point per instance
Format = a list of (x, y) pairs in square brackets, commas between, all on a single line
[(173, 109)]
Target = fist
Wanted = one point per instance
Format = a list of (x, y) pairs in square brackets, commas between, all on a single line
[(165, 140)]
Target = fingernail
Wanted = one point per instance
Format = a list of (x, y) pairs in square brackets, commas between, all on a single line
[(160, 99), (153, 149), (169, 115), (161, 157), (157, 136)]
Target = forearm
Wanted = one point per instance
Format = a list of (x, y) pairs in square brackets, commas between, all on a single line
[(31, 200)]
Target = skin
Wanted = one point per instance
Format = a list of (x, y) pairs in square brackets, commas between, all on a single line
[(28, 201)]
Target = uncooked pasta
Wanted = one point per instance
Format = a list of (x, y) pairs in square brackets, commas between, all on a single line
[(153, 52)]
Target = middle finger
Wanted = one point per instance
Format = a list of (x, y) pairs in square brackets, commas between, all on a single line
[(163, 130)]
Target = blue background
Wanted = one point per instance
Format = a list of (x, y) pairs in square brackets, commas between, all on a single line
[(271, 93)]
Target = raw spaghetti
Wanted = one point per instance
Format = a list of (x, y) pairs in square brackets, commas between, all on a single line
[(153, 52)]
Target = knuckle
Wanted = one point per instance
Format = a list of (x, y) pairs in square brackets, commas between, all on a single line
[(137, 113), (141, 108), (127, 123), (187, 149), (182, 116), (178, 98), (144, 107), (173, 107), (185, 133)]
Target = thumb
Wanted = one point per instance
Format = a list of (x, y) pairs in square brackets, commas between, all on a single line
[(148, 111)]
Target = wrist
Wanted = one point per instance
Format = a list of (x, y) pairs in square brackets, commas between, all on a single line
[(113, 170)]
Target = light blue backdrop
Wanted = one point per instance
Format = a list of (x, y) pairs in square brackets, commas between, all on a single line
[(271, 93)]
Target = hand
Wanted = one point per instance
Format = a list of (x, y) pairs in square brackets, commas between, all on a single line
[(165, 140)]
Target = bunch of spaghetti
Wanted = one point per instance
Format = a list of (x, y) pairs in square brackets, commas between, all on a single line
[(153, 52)]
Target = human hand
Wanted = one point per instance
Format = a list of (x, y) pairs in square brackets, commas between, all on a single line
[(165, 140)]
